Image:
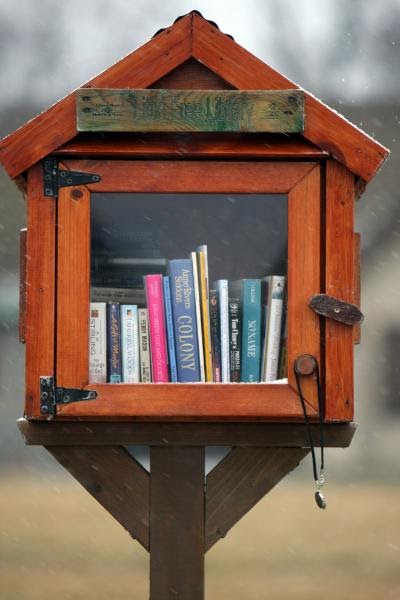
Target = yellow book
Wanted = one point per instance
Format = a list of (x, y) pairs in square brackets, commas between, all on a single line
[(205, 314)]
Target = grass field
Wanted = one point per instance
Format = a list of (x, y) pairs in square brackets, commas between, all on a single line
[(57, 542)]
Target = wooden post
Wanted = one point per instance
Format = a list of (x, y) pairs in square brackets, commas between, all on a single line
[(177, 507)]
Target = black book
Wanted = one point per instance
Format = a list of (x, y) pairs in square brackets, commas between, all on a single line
[(215, 336)]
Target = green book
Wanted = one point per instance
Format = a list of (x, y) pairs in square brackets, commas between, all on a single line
[(249, 292)]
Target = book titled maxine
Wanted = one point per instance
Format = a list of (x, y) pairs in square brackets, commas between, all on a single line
[(185, 322)]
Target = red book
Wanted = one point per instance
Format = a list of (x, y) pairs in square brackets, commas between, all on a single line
[(158, 338)]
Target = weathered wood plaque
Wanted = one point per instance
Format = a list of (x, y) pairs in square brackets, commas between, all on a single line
[(190, 110)]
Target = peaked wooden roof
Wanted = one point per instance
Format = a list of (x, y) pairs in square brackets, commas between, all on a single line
[(194, 37)]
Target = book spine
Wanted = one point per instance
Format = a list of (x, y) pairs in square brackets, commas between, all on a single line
[(282, 370), (97, 343), (170, 330), (144, 346), (215, 336), (129, 343), (234, 340), (113, 343), (265, 283), (158, 339), (193, 257), (275, 311), (251, 330), (184, 314), (205, 315), (222, 289)]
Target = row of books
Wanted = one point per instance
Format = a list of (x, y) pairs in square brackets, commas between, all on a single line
[(234, 332)]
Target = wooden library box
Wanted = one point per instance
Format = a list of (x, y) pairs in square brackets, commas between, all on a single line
[(190, 141)]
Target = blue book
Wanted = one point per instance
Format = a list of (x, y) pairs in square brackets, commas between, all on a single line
[(249, 291), (184, 319), (170, 330), (114, 371)]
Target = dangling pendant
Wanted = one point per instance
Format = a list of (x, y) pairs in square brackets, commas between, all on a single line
[(320, 499)]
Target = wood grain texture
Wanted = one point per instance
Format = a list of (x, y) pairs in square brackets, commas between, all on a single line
[(239, 481), (304, 276), (73, 287), (115, 479), (141, 68), (190, 110), (182, 434), (339, 277), (191, 75), (229, 145), (323, 126), (193, 176), (357, 284), (180, 401), (40, 286), (22, 284), (177, 523)]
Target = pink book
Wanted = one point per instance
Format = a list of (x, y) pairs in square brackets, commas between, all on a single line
[(158, 339)]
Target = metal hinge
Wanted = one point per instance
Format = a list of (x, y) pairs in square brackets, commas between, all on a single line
[(50, 396), (54, 178)]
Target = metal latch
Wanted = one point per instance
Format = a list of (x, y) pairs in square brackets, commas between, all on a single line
[(50, 396), (54, 178), (334, 308)]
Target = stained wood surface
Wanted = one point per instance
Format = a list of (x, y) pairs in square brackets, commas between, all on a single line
[(180, 401), (177, 523), (229, 145), (239, 481), (323, 126), (357, 283), (73, 287), (339, 277), (189, 110), (203, 176), (192, 37), (40, 286), (140, 69), (191, 75), (182, 434), (115, 479), (304, 278), (22, 284)]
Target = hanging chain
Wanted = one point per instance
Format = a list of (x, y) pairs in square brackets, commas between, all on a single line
[(304, 366)]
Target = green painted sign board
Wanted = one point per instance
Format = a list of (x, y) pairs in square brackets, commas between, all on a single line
[(274, 111)]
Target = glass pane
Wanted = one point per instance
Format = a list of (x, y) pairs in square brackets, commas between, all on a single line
[(134, 235)]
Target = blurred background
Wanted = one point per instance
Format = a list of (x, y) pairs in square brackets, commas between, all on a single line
[(54, 538)]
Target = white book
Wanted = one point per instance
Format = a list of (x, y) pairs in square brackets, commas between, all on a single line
[(129, 343), (193, 257), (273, 329), (97, 343), (222, 289), (144, 346)]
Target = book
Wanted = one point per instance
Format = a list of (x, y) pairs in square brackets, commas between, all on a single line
[(122, 295), (114, 374), (184, 316), (193, 257), (222, 290), (249, 293), (129, 343), (202, 266), (157, 330), (282, 369), (97, 343), (144, 346), (273, 328), (235, 339), (170, 330), (215, 336)]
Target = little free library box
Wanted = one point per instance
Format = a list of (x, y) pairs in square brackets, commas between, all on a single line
[(189, 277)]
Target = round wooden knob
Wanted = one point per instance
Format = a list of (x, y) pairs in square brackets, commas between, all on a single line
[(305, 364)]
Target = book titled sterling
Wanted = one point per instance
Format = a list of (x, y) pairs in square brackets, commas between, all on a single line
[(97, 343), (158, 339), (184, 317)]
